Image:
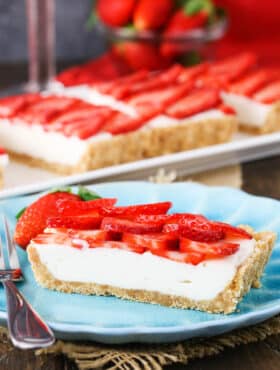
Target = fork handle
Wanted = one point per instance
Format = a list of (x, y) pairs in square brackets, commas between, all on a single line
[(27, 329)]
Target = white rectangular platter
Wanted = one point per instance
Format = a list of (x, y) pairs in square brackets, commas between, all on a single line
[(20, 179)]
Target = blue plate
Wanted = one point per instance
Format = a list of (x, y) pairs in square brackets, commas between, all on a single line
[(112, 320)]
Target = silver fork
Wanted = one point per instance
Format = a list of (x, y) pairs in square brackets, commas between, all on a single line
[(27, 329)]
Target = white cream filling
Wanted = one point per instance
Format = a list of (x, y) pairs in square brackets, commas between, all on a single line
[(128, 270), (32, 140), (92, 96), (249, 111), (4, 160)]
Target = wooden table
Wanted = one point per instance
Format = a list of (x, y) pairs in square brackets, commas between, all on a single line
[(259, 177)]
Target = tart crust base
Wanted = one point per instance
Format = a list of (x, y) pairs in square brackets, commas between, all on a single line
[(143, 143), (247, 276), (272, 123)]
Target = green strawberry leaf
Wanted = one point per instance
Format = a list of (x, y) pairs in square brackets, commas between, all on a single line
[(87, 194), (20, 213), (193, 7)]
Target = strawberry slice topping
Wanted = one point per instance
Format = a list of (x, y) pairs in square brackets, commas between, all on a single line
[(72, 208), (133, 211), (269, 94), (233, 67), (151, 242), (13, 104), (198, 101), (196, 229), (120, 123), (254, 81), (208, 250), (232, 232), (75, 222), (126, 226)]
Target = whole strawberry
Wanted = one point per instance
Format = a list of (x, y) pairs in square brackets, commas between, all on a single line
[(34, 219), (115, 13), (151, 15)]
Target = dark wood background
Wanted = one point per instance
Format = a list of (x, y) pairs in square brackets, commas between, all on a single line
[(259, 177)]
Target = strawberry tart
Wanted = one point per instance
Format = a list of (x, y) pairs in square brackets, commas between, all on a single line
[(252, 91), (150, 255), (136, 117)]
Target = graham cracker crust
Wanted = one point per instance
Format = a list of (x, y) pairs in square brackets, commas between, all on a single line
[(247, 276), (272, 123), (143, 143)]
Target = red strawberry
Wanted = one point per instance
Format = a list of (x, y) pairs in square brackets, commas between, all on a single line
[(151, 241), (141, 209), (169, 218), (126, 226), (232, 232), (234, 67), (74, 207), (122, 245), (151, 15), (193, 258), (115, 13), (181, 23), (192, 73), (200, 230), (13, 104), (154, 81), (208, 250), (46, 109), (198, 101), (34, 219), (268, 94), (142, 55), (253, 81), (120, 123), (74, 222)]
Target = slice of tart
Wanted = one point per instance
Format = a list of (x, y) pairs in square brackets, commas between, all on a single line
[(142, 253), (70, 135)]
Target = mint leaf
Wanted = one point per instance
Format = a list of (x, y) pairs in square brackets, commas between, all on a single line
[(63, 189), (20, 213), (87, 194)]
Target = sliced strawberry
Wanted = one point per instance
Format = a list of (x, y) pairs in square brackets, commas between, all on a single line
[(193, 258), (46, 109), (227, 109), (233, 67), (269, 94), (144, 209), (34, 219), (198, 101), (91, 236), (254, 81), (208, 250), (233, 232), (72, 208), (86, 128), (120, 123), (192, 73), (196, 229), (159, 99), (151, 241), (122, 245), (131, 79), (127, 226), (154, 81), (74, 222), (13, 104), (167, 219)]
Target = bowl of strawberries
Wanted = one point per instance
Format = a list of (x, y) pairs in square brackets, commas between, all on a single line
[(161, 30)]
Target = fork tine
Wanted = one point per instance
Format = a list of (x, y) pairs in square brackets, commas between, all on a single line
[(2, 261), (12, 253)]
